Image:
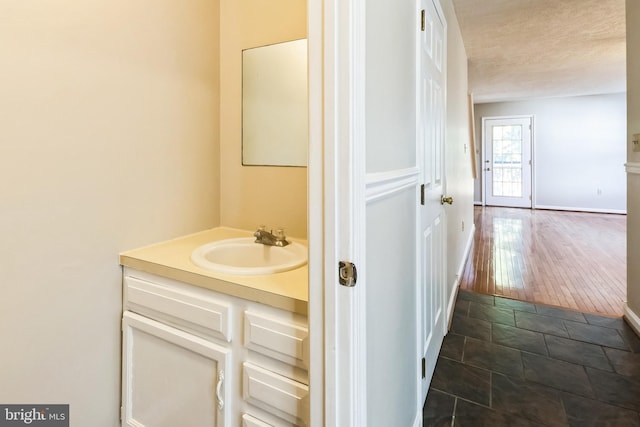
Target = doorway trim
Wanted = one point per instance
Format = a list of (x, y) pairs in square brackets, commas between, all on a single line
[(483, 159), (336, 117), (317, 224)]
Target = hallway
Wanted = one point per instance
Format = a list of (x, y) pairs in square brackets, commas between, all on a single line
[(574, 260), (513, 363)]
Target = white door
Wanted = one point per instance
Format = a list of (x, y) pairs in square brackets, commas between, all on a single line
[(431, 247), (507, 164)]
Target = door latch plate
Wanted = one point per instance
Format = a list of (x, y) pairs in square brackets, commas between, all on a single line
[(347, 274)]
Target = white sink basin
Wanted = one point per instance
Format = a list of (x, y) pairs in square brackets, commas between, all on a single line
[(245, 257)]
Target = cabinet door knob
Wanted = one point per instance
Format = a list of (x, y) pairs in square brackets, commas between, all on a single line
[(219, 390)]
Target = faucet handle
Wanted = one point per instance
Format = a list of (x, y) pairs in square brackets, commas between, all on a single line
[(281, 239), (258, 233)]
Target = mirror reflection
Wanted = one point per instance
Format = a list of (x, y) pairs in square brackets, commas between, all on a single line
[(275, 105)]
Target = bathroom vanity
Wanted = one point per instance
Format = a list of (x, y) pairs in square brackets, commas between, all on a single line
[(203, 348)]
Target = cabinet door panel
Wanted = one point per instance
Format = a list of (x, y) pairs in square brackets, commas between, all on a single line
[(171, 378)]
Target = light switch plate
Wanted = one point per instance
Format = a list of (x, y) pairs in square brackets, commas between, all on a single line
[(636, 142)]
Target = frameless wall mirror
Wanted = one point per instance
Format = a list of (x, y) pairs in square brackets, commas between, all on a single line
[(275, 105)]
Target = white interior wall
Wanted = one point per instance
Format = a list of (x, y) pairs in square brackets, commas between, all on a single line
[(390, 121), (108, 141), (459, 179), (391, 146), (578, 147)]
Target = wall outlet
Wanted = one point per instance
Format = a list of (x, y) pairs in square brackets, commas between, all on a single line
[(599, 191), (636, 142)]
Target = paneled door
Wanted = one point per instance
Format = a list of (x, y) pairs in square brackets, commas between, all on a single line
[(507, 161), (431, 245)]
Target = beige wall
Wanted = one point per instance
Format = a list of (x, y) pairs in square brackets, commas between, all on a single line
[(254, 195), (108, 141), (458, 157), (633, 180)]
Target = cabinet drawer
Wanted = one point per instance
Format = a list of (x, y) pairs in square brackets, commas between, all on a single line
[(281, 339), (276, 394), (249, 421), (177, 306)]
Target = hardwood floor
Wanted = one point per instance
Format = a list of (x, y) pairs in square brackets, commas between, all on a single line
[(574, 260)]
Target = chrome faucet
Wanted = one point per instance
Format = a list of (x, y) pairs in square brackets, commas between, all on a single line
[(268, 238)]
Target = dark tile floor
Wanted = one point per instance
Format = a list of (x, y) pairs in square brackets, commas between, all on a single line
[(512, 363)]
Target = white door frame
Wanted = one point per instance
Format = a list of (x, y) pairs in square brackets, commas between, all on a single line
[(533, 155), (336, 222), (316, 221)]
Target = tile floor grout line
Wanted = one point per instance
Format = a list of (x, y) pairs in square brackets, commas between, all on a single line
[(464, 344), (624, 340), (453, 415), (546, 345), (491, 389)]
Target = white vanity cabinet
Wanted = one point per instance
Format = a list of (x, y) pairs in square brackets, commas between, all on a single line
[(197, 357)]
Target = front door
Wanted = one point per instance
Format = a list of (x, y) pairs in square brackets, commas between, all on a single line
[(507, 162), (431, 246)]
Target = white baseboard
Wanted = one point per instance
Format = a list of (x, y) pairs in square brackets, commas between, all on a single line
[(456, 284), (593, 210), (451, 303), (632, 318), (477, 202)]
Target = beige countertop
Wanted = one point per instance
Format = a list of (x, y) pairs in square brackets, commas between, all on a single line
[(172, 259)]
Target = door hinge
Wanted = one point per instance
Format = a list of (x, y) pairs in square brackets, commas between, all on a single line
[(422, 194), (347, 274), (121, 413), (424, 368), (422, 20)]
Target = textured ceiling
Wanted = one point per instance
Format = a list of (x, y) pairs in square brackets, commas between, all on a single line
[(521, 49)]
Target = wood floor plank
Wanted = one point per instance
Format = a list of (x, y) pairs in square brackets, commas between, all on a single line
[(574, 260)]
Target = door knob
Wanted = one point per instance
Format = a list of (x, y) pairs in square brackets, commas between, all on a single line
[(488, 169), (447, 200)]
